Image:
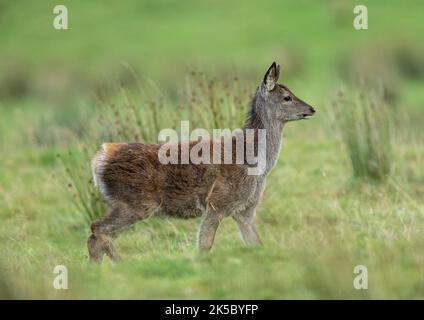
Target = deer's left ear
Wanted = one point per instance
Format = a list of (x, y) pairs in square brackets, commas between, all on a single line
[(271, 76)]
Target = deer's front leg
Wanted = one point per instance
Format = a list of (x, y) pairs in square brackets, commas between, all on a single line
[(207, 230), (247, 226)]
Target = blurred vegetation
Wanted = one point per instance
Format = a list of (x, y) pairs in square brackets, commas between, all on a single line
[(365, 124), (124, 70), (383, 64)]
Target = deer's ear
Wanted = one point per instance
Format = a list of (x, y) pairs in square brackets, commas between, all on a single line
[(271, 76)]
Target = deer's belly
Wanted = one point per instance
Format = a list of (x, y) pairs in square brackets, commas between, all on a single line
[(182, 208), (193, 206)]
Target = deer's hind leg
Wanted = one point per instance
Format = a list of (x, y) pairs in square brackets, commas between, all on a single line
[(207, 230), (104, 230)]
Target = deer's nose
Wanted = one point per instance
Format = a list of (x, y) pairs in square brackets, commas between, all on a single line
[(312, 110)]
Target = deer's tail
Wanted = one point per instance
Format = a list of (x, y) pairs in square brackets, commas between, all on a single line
[(100, 161)]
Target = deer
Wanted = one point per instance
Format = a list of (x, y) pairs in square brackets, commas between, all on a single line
[(136, 185)]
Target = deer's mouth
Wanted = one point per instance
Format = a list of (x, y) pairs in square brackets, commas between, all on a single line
[(309, 114)]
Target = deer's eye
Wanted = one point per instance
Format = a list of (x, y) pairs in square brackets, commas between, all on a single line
[(287, 98)]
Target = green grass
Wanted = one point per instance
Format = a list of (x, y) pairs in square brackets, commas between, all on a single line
[(316, 219), (365, 123)]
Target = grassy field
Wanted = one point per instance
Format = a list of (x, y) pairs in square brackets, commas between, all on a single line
[(323, 212)]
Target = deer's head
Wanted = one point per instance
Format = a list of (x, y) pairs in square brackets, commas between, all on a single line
[(280, 102)]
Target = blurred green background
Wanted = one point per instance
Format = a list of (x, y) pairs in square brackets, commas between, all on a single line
[(345, 192)]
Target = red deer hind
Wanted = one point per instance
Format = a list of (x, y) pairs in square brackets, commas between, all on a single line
[(135, 184)]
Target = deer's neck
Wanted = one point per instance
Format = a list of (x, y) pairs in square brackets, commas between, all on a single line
[(260, 118)]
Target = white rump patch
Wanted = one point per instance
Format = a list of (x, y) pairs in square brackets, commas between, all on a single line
[(97, 166)]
